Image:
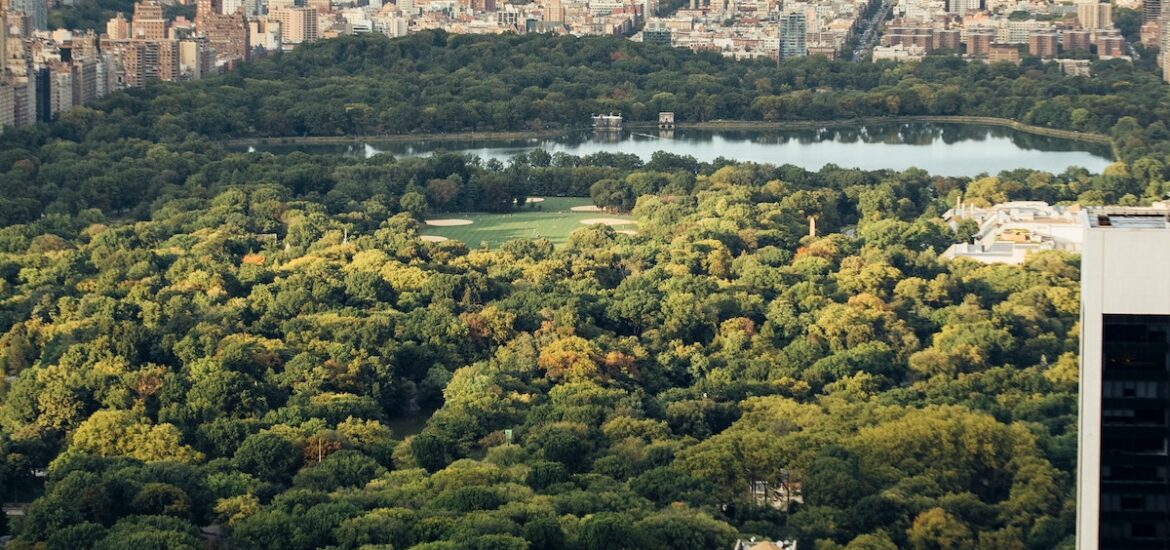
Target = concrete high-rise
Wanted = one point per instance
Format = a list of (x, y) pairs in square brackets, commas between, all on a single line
[(1165, 49), (1123, 470), (963, 6), (297, 25), (1092, 14), (793, 35)]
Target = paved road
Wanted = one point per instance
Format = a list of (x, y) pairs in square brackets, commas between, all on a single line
[(869, 35)]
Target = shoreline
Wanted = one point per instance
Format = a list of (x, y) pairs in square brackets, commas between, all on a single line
[(714, 125), (1087, 137), (395, 138)]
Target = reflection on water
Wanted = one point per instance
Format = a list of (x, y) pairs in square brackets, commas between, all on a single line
[(945, 149)]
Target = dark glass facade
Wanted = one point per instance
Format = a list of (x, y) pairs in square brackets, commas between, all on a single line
[(1135, 434)]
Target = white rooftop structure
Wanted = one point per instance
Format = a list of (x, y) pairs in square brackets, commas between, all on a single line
[(1008, 232)]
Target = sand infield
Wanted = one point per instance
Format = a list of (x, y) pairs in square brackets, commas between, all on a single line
[(607, 221), (448, 222)]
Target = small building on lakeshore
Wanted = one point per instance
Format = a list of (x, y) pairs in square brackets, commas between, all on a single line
[(607, 123), (666, 120)]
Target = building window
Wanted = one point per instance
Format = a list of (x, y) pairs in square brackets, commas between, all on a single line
[(1135, 434)]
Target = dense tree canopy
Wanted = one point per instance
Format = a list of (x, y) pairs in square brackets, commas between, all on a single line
[(194, 337), (189, 368)]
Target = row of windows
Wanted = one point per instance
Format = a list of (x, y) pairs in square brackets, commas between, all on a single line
[(1134, 343), (1135, 328), (1129, 472), (1144, 417), (1134, 445), (1133, 503), (1135, 360), (1134, 530), (1111, 389)]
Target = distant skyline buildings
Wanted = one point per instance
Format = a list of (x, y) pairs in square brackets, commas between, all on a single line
[(144, 45)]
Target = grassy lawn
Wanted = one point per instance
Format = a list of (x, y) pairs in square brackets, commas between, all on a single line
[(550, 219)]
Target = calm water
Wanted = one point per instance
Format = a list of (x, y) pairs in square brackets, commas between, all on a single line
[(944, 149)]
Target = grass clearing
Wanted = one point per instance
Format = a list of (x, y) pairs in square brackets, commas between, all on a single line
[(550, 219)]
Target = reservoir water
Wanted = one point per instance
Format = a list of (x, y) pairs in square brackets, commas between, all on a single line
[(939, 148)]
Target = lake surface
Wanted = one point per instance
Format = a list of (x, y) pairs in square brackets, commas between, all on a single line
[(939, 148)]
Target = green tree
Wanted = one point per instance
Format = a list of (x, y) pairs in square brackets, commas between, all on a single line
[(268, 456)]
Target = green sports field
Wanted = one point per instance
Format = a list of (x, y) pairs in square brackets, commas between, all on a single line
[(550, 219)]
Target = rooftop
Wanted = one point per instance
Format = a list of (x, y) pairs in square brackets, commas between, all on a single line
[(1129, 218)]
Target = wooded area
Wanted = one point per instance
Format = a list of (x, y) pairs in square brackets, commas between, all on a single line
[(194, 337)]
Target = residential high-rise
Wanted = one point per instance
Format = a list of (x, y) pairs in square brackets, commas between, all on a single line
[(118, 28), (919, 36), (1110, 45), (947, 39), (1165, 49), (143, 61), (58, 89), (276, 5), (85, 80), (7, 106), (1043, 44), (263, 35), (3, 38), (1151, 10), (1092, 14), (657, 34), (226, 34), (1123, 471), (1075, 40), (554, 11), (793, 35), (37, 12), (963, 6), (148, 22), (979, 42), (1105, 11), (196, 58), (297, 25), (21, 75)]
